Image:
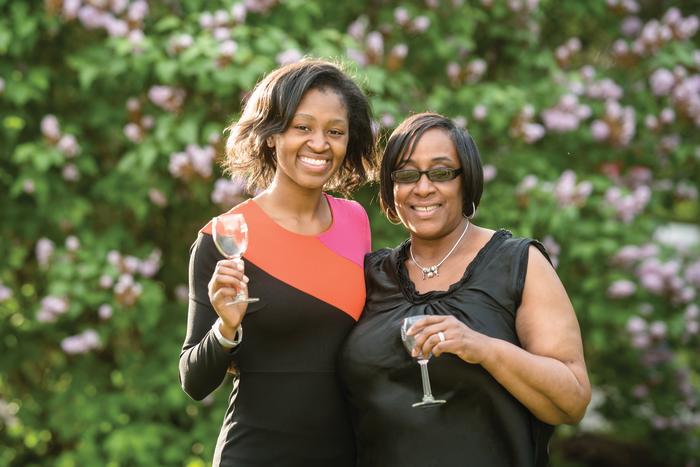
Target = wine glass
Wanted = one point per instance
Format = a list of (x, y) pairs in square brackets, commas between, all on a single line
[(409, 342), (230, 234)]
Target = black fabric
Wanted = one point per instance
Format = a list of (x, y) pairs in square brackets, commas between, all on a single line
[(286, 406), (481, 424)]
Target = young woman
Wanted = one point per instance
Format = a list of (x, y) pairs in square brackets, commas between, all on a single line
[(506, 349), (305, 128)]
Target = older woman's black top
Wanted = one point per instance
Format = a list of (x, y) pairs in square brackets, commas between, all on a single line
[(481, 424)]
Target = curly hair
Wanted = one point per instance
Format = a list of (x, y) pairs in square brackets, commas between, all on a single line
[(269, 110), (401, 145)]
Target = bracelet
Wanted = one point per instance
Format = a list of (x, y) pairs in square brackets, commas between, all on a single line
[(225, 342)]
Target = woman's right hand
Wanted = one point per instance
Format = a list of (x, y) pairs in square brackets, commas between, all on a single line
[(228, 279)]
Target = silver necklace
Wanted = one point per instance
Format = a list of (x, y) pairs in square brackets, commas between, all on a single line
[(432, 271)]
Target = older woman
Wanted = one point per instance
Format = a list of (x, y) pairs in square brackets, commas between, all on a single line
[(506, 345)]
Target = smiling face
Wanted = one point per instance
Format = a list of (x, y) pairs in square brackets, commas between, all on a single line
[(311, 150), (430, 210)]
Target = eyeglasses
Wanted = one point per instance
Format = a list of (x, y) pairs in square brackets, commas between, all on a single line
[(434, 175)]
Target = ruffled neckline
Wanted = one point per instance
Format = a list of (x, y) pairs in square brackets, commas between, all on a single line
[(408, 287)]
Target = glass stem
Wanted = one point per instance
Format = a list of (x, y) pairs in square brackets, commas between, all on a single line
[(427, 392)]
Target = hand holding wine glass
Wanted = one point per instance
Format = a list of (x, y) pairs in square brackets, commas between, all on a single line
[(409, 342), (230, 234)]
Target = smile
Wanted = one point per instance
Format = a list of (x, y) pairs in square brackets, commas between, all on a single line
[(430, 208), (313, 161)]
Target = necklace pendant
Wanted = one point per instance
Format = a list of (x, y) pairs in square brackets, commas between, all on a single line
[(430, 272)]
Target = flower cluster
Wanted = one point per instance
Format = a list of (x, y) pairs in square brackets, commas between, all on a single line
[(470, 73), (119, 18), (658, 277), (617, 126), (138, 124), (219, 23), (44, 251), (566, 115), (126, 289), (194, 160), (569, 193), (167, 98), (5, 292), (524, 128), (81, 343), (228, 193), (51, 307), (650, 37), (682, 88), (566, 51), (373, 41), (67, 144)]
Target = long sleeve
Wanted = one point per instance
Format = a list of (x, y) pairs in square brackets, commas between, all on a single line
[(203, 362)]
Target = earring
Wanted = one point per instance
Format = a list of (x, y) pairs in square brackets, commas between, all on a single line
[(393, 219), (471, 216)]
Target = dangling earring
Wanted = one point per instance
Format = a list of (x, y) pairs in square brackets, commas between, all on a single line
[(471, 216), (393, 220)]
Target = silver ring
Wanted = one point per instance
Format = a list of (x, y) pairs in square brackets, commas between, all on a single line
[(441, 335)]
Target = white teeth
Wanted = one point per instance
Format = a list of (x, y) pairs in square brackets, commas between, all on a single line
[(311, 161), (426, 208)]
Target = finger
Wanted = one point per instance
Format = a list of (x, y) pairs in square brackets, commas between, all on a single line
[(228, 271), (427, 321)]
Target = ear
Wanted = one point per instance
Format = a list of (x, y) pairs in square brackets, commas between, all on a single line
[(270, 142)]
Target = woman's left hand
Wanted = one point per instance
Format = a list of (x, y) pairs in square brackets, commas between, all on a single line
[(446, 334)]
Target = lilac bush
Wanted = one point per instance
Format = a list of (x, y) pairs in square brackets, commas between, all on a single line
[(111, 122)]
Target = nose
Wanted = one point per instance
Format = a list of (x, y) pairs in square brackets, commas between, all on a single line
[(423, 186), (318, 142)]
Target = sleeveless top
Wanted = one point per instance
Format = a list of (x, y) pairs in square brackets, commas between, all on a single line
[(286, 406), (481, 424)]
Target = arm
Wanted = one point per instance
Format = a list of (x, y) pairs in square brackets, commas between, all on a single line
[(203, 361), (548, 374)]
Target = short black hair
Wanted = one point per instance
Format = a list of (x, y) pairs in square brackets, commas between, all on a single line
[(401, 145), (270, 110)]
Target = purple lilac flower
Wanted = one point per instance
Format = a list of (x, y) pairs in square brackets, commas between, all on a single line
[(421, 23), (72, 243), (51, 307), (50, 127), (157, 197), (228, 192), (375, 43), (182, 293), (661, 82), (104, 311), (70, 173), (238, 13), (5, 292), (44, 250), (289, 56), (68, 145), (81, 343), (401, 16), (621, 289), (106, 281), (133, 132), (490, 172)]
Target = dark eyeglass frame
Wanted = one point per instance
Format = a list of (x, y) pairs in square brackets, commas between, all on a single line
[(432, 174)]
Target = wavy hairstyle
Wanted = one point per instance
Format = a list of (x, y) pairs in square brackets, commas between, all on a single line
[(401, 145), (270, 109)]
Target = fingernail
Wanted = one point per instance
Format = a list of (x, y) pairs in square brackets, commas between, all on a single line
[(245, 279)]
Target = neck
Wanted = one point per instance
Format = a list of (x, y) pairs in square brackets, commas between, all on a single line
[(430, 251), (297, 202)]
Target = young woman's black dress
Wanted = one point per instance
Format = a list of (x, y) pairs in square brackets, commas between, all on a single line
[(481, 424)]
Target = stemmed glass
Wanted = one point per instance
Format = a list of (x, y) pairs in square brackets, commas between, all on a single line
[(409, 342), (230, 234)]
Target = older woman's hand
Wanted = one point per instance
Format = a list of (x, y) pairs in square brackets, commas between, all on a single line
[(439, 334), (228, 279)]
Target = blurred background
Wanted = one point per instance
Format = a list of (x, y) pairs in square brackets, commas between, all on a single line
[(587, 115)]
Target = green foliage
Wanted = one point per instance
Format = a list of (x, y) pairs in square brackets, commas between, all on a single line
[(98, 214)]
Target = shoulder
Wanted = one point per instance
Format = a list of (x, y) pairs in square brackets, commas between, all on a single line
[(347, 207), (243, 208)]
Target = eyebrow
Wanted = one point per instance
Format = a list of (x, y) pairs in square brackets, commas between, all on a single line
[(334, 121), (432, 160)]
